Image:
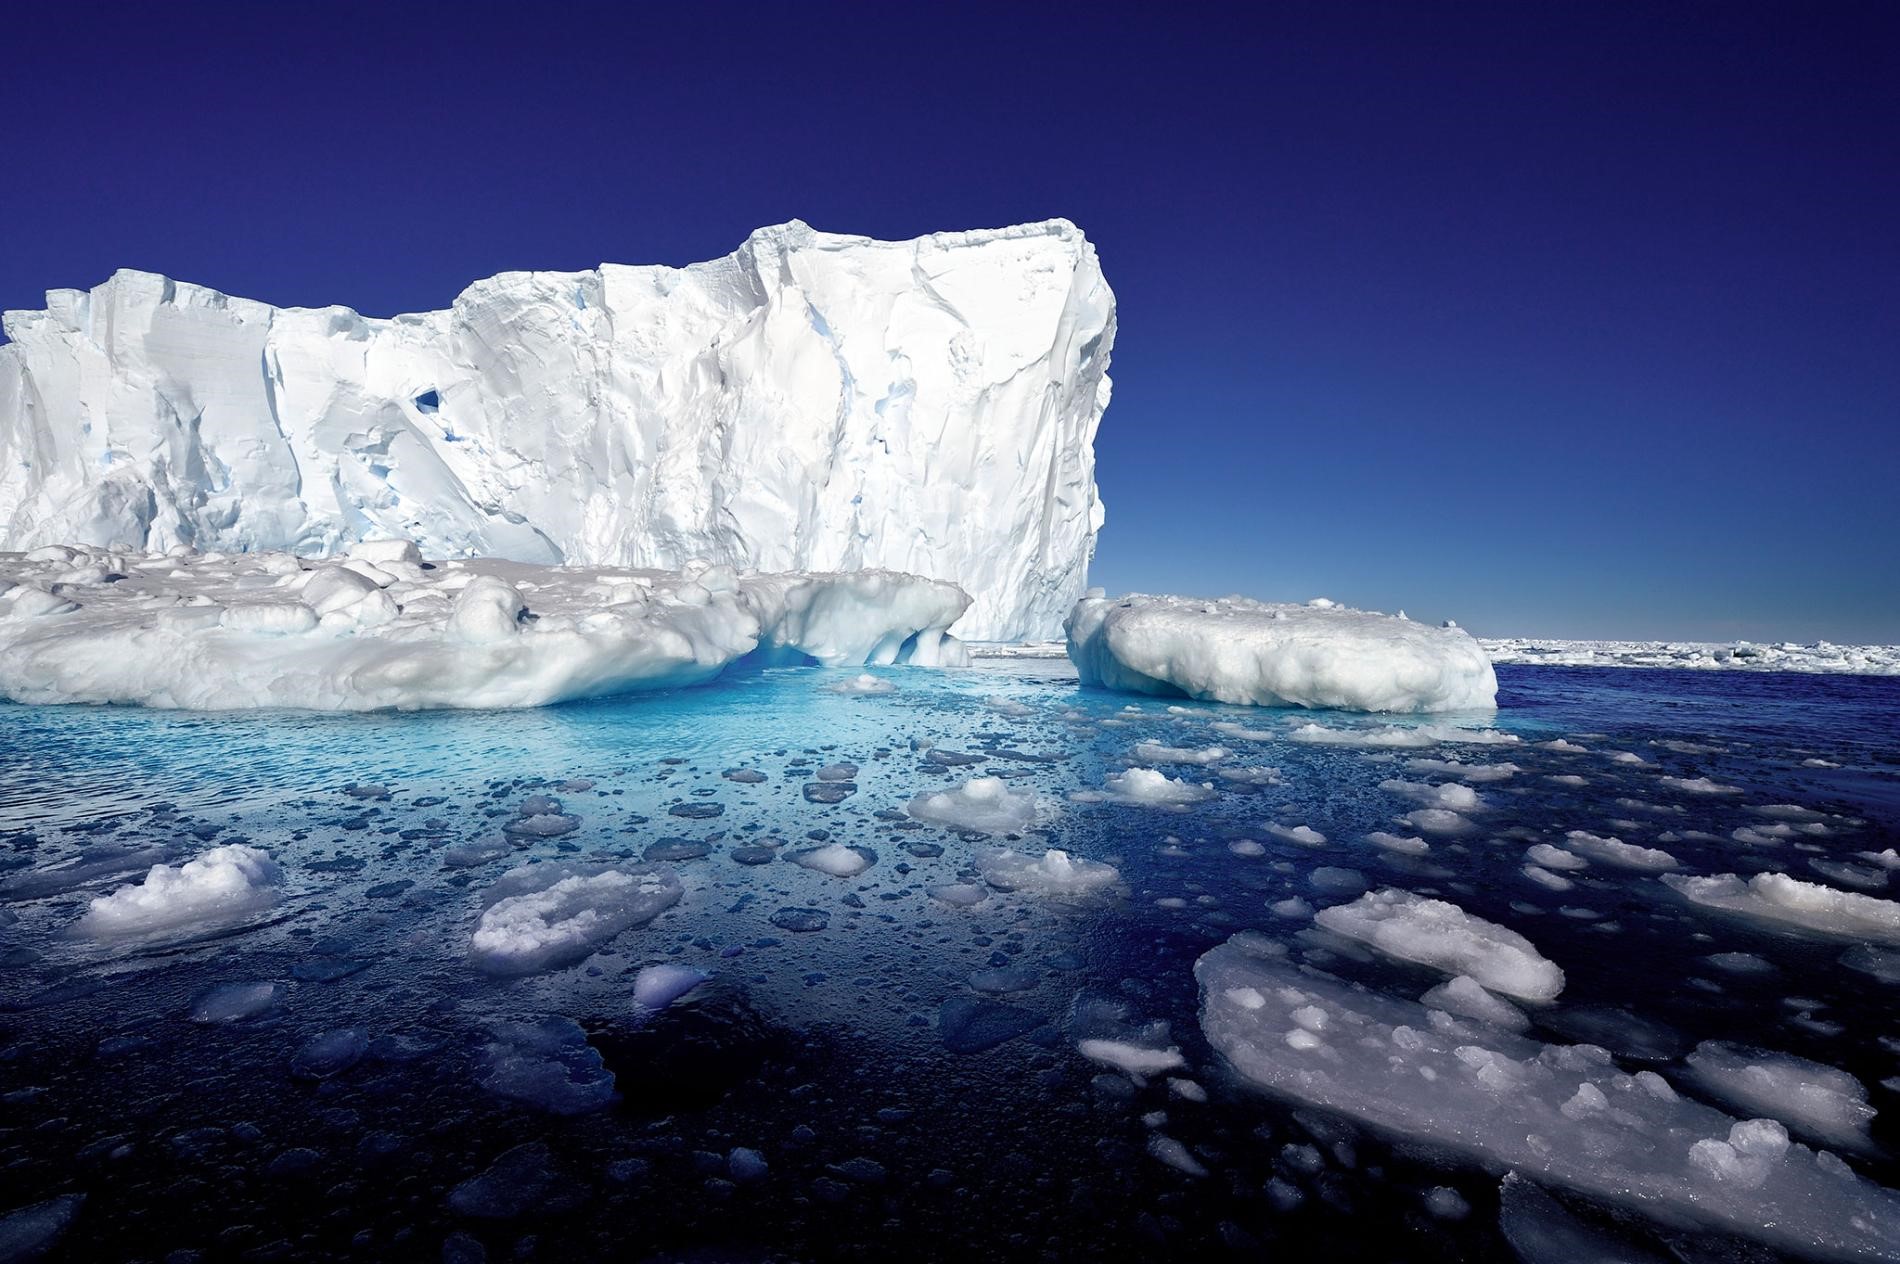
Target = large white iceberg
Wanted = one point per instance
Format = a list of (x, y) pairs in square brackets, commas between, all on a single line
[(810, 402), (1277, 655), (382, 629)]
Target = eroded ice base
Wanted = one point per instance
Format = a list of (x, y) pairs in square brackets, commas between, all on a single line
[(380, 628)]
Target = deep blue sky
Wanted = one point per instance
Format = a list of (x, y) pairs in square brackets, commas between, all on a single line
[(1556, 319)]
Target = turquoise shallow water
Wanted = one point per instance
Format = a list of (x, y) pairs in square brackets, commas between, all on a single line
[(908, 1074)]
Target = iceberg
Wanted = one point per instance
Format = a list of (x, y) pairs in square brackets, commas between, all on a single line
[(1277, 655), (212, 632), (810, 402)]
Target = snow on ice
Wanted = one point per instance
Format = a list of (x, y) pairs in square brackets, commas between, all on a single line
[(210, 632), (1241, 651)]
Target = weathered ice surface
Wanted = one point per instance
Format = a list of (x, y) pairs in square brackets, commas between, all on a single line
[(1277, 655), (810, 402), (380, 628)]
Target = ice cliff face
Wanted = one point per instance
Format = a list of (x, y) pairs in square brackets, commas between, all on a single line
[(809, 402)]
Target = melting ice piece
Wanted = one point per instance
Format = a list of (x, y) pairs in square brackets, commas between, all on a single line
[(1241, 651), (547, 915), (984, 805), (1563, 1115), (1464, 996), (1135, 1059), (548, 1065), (1157, 753), (836, 859), (1775, 897), (864, 684), (1056, 874), (1441, 935), (656, 987), (1145, 787), (222, 885), (1614, 851), (1819, 1102), (233, 1002)]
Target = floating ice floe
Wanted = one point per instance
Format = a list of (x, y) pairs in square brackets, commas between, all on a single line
[(1146, 787), (1055, 874), (1614, 851), (982, 805), (1304, 835), (207, 632), (1816, 1101), (223, 885), (546, 915), (1441, 935), (1400, 737), (1563, 1115), (1156, 753), (1776, 897), (1240, 651)]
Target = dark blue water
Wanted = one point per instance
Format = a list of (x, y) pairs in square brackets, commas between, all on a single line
[(899, 1111)]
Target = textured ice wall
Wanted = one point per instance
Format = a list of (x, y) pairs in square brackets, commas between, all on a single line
[(810, 402)]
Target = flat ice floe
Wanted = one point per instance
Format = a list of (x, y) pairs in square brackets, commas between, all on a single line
[(1775, 897), (983, 805), (224, 884), (1441, 935), (547, 915), (1563, 1115), (1241, 651), (1055, 874), (1614, 851), (383, 629), (1817, 1101), (1148, 788)]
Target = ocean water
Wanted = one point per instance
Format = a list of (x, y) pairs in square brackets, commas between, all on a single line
[(867, 1071)]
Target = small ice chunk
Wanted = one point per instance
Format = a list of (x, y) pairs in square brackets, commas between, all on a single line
[(1614, 851), (1439, 934), (1776, 897), (656, 987), (1304, 835), (1055, 874), (1466, 997), (223, 884), (1135, 1059), (984, 805), (547, 915), (1145, 787)]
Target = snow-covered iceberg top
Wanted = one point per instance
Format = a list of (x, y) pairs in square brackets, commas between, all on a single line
[(380, 628), (1276, 655), (809, 402)]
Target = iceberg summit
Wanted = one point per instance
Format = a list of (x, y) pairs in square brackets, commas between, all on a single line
[(811, 402)]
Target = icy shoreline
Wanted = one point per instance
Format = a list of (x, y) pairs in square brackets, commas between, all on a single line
[(1819, 658)]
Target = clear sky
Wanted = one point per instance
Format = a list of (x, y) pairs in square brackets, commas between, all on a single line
[(1558, 319)]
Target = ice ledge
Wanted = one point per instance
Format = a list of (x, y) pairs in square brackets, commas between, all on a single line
[(381, 629)]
